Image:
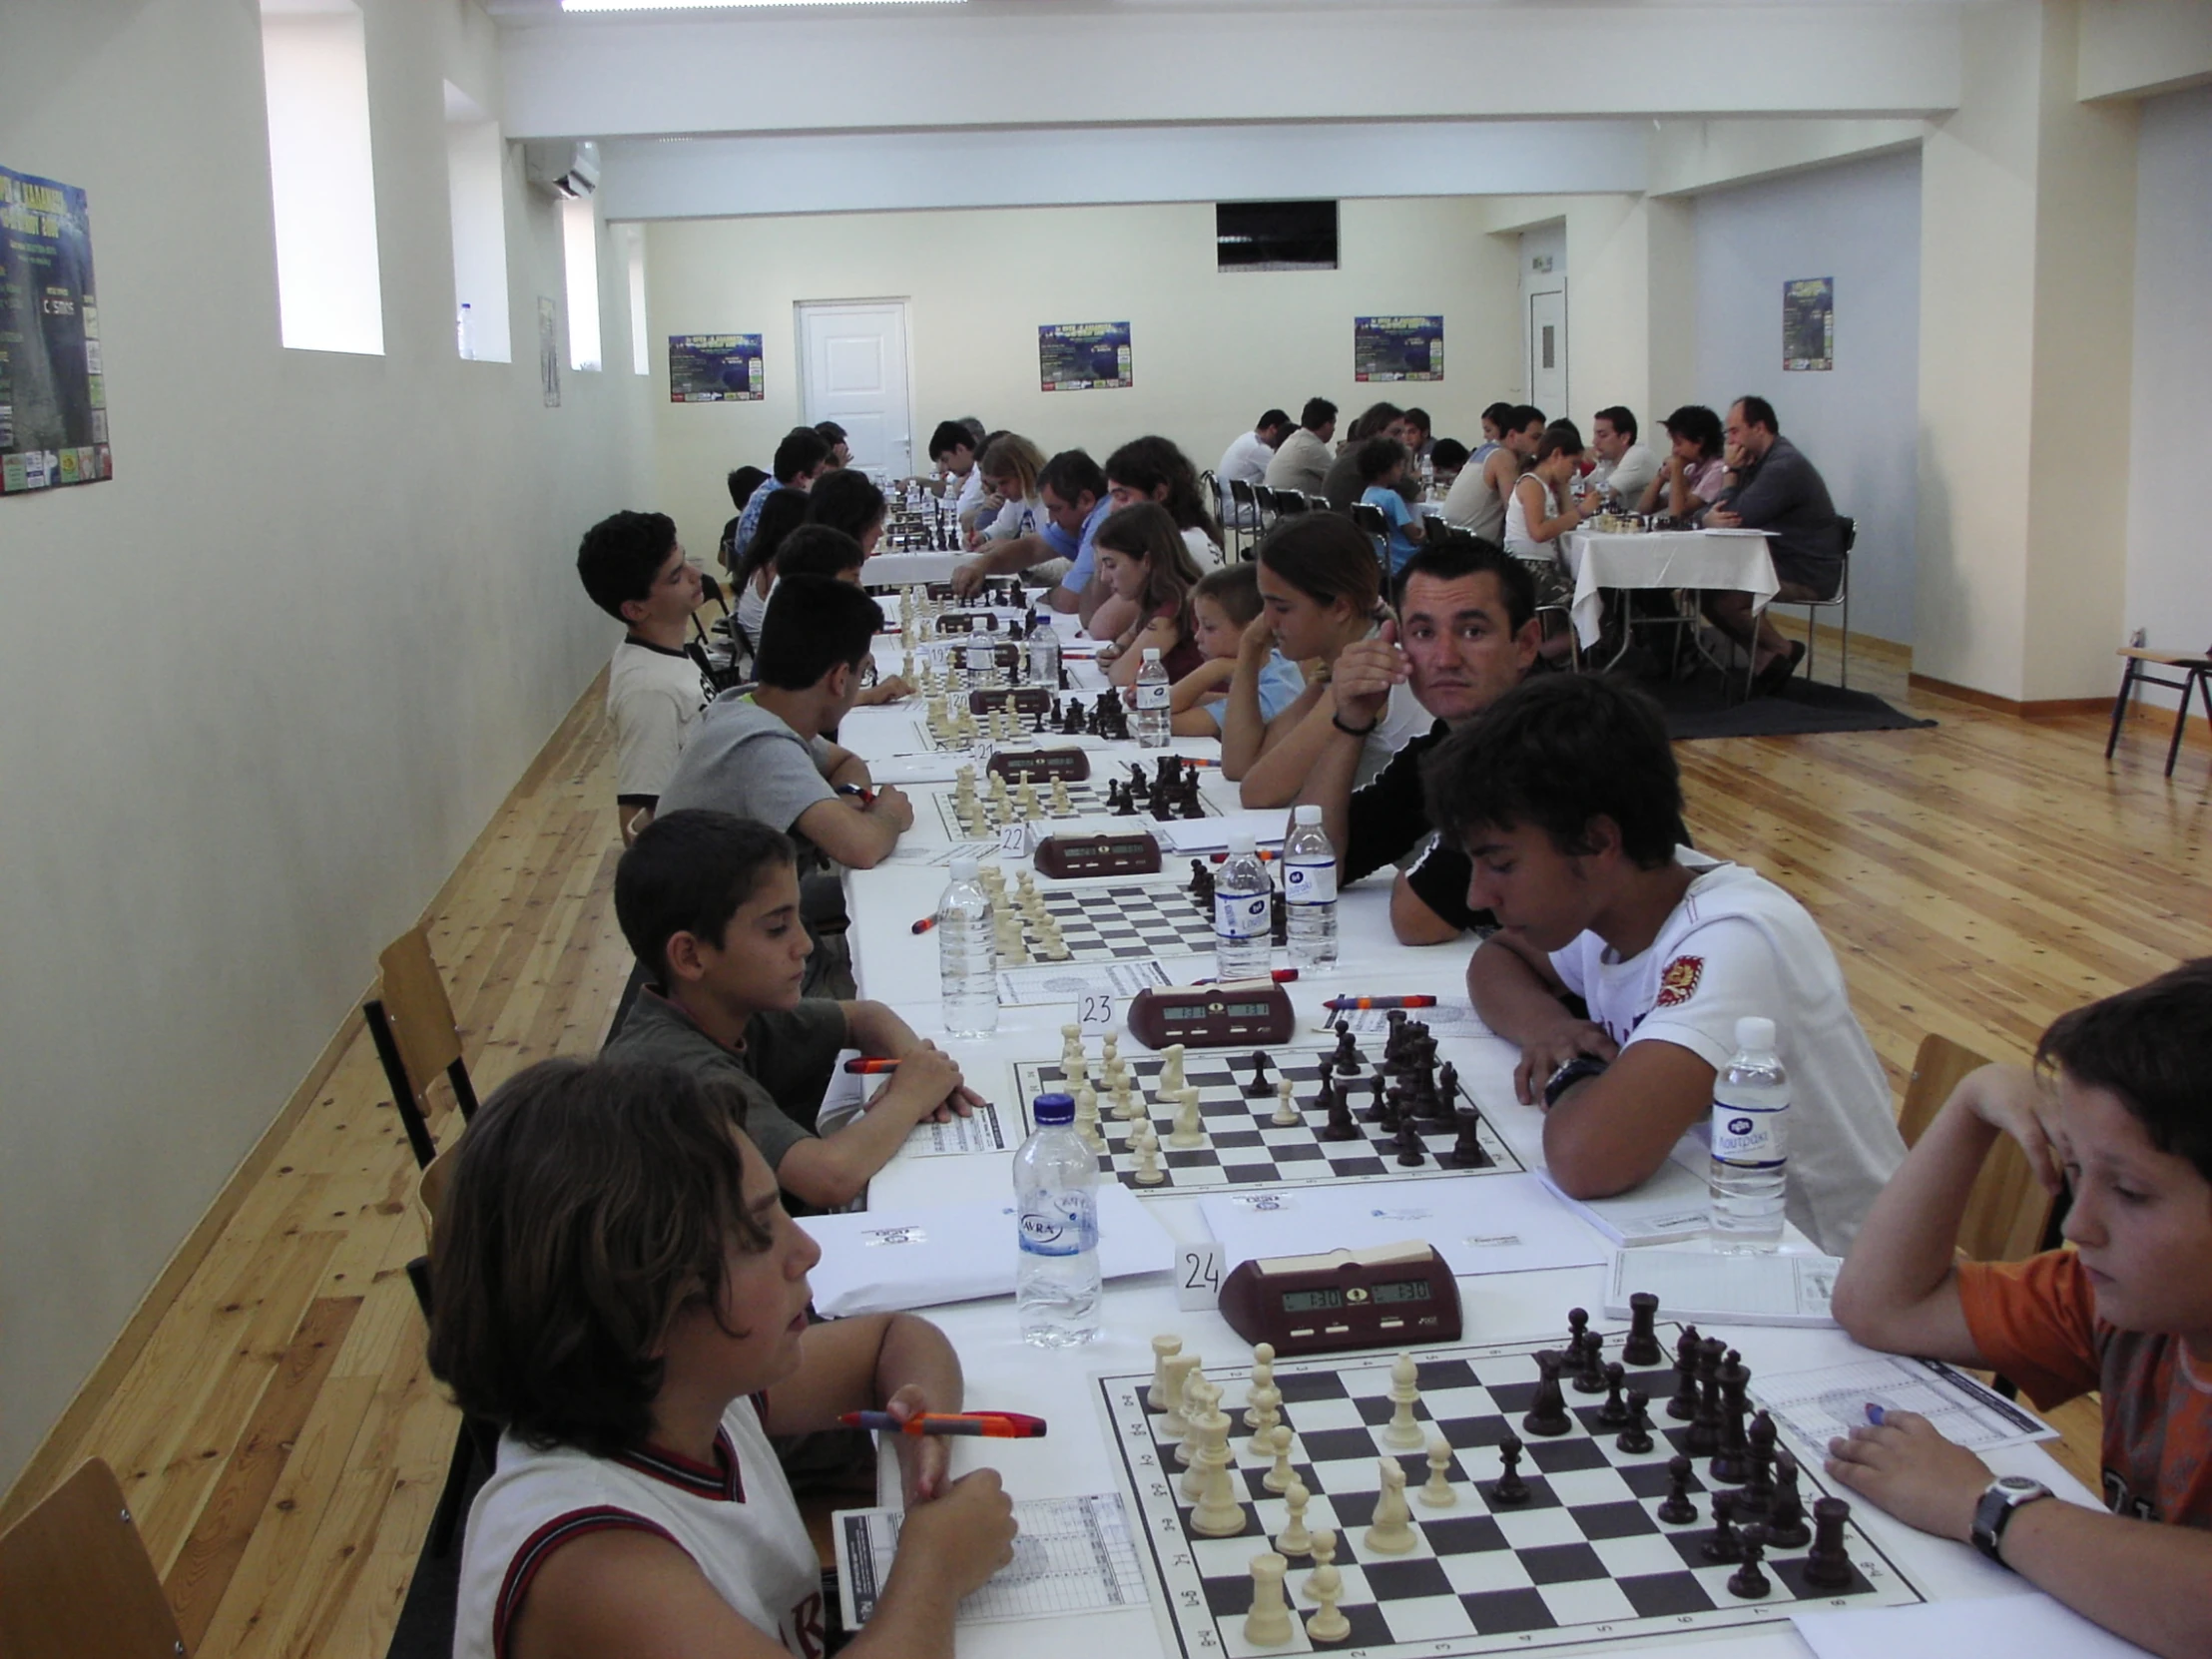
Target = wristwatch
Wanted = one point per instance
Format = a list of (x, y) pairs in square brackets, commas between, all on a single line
[(1569, 1074), (2003, 1496), (1338, 721)]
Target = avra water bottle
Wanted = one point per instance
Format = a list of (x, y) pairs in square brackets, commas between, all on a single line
[(1044, 652), (968, 955), (1751, 1142), (1057, 1203), (1241, 907), (1310, 891), (1152, 701)]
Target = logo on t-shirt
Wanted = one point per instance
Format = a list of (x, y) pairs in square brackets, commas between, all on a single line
[(1678, 982)]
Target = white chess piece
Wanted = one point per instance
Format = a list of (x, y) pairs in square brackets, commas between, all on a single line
[(1325, 1584), (1263, 1377), (1403, 1429), (1200, 1397), (1218, 1514), (1177, 1371), (1279, 1478), (1086, 1120), (1437, 1493), (1164, 1349), (1286, 1114), (1125, 1103), (1171, 1069), (1062, 806), (1269, 1623), (1393, 1531), (1294, 1539), (1147, 1145), (1189, 1127), (1266, 1401), (1325, 1552)]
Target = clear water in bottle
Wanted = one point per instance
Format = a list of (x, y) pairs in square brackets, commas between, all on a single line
[(1056, 1284), (968, 955), (1153, 718), (1242, 898), (1044, 652), (1750, 1144), (1310, 891)]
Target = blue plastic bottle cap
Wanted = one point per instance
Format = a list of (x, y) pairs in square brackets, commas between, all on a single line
[(1053, 1108)]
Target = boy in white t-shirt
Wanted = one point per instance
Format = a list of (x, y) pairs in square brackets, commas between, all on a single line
[(659, 684), (1565, 796)]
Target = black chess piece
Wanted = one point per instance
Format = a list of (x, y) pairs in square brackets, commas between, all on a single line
[(1262, 1085), (1139, 789), (1585, 1355), (1578, 1324), (1758, 1494), (1724, 1545), (1675, 1508), (1614, 1413), (1642, 1349), (1467, 1152), (1447, 1085), (1200, 881), (1410, 1153), (1338, 1104), (1348, 1058), (1279, 919), (1747, 1581), (1509, 1489), (1731, 1464), (1204, 889), (1683, 1406), (1635, 1439), (1828, 1562), (1704, 1436), (1192, 805), (1394, 1040), (1547, 1411), (1378, 1110), (1786, 1528)]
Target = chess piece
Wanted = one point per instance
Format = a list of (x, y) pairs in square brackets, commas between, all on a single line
[(1547, 1411), (1747, 1581), (1263, 1377), (1072, 1053), (1731, 1452), (1724, 1545), (1190, 1128), (1676, 1509), (1325, 1556), (1635, 1439), (1286, 1114), (1279, 1477), (1683, 1406), (1260, 1087), (1642, 1347), (1294, 1539), (1086, 1120), (1447, 1086), (1614, 1413), (1339, 1126), (1411, 1153), (1125, 1103), (1176, 1372), (1171, 1068), (1267, 1405), (1061, 804), (1704, 1436), (1403, 1429), (1786, 1528), (1199, 1399), (1585, 1354), (1218, 1514), (1328, 1624), (1758, 1493), (1378, 1110), (1345, 1061), (1268, 1622), (1827, 1564), (1164, 1349), (1467, 1152), (1391, 1532), (1147, 1172), (1437, 1493), (1509, 1488)]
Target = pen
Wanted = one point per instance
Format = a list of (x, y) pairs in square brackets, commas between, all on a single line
[(1340, 1003), (1874, 1414), (870, 1068), (996, 1425), (1263, 854), (1281, 976), (924, 924), (867, 797)]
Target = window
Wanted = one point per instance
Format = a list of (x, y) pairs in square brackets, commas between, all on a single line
[(476, 188), (1275, 236), (322, 187), (580, 255), (641, 355)]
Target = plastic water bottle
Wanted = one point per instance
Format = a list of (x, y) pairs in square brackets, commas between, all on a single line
[(968, 955), (1044, 652), (1152, 701), (1241, 903), (1310, 891), (465, 333), (1750, 1144), (1056, 1202)]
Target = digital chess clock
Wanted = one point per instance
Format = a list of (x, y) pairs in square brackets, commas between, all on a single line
[(1211, 1016), (1387, 1295), (967, 621), (1027, 700), (1044, 765), (1064, 855)]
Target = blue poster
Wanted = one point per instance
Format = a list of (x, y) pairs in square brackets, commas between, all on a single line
[(715, 369), (1397, 348), (1809, 324), (52, 396), (1083, 357)]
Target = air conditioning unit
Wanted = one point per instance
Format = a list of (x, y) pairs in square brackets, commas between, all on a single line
[(567, 168)]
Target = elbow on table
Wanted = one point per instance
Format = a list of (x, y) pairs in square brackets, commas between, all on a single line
[(1584, 1167), (821, 1178)]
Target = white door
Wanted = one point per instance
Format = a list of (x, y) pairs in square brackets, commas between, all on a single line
[(1547, 352), (852, 370)]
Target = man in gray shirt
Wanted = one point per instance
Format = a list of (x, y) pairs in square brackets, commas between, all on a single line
[(1302, 461), (1772, 488)]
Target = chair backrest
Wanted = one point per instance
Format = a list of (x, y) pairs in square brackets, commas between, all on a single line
[(436, 1175), (76, 1581), (1240, 492), (1369, 518), (421, 1015), (2008, 1210), (1290, 501)]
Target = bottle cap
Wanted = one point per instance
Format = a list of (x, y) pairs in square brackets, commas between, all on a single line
[(964, 868), (1306, 815), (1240, 841), (1754, 1035), (1052, 1108), (1151, 653)]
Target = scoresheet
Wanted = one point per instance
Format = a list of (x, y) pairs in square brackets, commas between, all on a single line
[(1073, 1555)]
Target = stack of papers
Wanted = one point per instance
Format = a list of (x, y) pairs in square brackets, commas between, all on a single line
[(1703, 1286), (1674, 1205), (1503, 1224)]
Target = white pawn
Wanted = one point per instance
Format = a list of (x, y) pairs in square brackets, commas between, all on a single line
[(1325, 1584), (1294, 1538), (1286, 1114), (1109, 1051), (1086, 1120), (1267, 1402), (1279, 1478), (1164, 1349), (1062, 806), (1263, 1377), (1148, 1173), (1324, 1553), (1437, 1493), (1269, 1623), (1393, 1531), (1125, 1103), (1403, 1429)]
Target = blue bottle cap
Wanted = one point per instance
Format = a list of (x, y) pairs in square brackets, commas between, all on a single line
[(1052, 1108)]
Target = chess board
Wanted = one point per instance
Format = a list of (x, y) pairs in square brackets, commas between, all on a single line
[(1086, 799), (1115, 921), (1242, 1149), (1585, 1560)]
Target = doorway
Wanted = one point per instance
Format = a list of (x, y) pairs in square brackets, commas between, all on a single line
[(1547, 351), (852, 370)]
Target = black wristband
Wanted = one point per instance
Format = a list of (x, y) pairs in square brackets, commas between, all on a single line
[(1338, 721), (1565, 1078)]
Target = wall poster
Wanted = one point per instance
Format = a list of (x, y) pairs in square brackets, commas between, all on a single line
[(549, 351), (715, 369), (1809, 324), (1083, 357), (52, 396), (1397, 348)]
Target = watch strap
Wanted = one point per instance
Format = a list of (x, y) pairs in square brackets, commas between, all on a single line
[(1994, 1511)]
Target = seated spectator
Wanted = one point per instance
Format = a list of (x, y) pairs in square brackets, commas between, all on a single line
[(800, 459), (1772, 488), (1341, 485), (1302, 458), (1496, 420), (1154, 469), (821, 550), (1319, 592), (618, 1288), (1382, 464), (1013, 534), (1694, 475), (852, 502), (1566, 797), (1419, 435), (782, 513), (1144, 564), (952, 452), (841, 452), (1477, 500), (742, 482), (1540, 510), (710, 903), (1246, 459), (1446, 459), (2117, 1113), (1624, 467), (762, 753), (1223, 605), (659, 685)]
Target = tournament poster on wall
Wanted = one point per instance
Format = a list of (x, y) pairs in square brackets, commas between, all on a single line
[(715, 369), (1809, 324), (1397, 348), (52, 396), (1083, 357)]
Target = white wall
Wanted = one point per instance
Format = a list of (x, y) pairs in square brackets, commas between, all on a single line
[(258, 693), (1859, 223), (1210, 350), (2168, 594)]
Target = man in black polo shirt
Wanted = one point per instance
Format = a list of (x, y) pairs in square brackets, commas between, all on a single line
[(1465, 636)]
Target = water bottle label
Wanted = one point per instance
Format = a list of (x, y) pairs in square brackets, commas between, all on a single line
[(1314, 884), (1059, 1223), (1751, 1137), (1153, 695), (1240, 915)]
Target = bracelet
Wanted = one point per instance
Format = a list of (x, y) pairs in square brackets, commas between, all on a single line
[(1338, 721), (1573, 1072)]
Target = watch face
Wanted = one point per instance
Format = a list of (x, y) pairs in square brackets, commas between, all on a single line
[(2020, 1484)]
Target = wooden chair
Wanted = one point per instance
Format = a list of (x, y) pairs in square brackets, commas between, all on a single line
[(76, 1581), (476, 1441), (2008, 1215), (416, 1038), (2196, 678)]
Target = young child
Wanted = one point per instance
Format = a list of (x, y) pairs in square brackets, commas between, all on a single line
[(1381, 470), (1144, 563), (710, 903), (2118, 1108), (817, 548), (617, 1285), (1223, 606)]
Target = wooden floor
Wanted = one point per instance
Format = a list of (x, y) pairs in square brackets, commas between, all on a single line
[(282, 1446)]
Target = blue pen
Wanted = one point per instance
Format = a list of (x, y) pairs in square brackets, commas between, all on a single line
[(1874, 1414)]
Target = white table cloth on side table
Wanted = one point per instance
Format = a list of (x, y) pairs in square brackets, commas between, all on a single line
[(1717, 561)]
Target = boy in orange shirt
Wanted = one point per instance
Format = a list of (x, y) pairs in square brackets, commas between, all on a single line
[(2121, 1111)]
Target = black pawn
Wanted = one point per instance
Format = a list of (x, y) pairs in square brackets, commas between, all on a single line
[(1635, 1439), (1614, 1413), (1684, 1404), (1726, 1545), (1339, 1126), (1410, 1153), (1509, 1489), (1828, 1564), (1786, 1528), (1346, 1062), (1747, 1581), (1588, 1356), (1642, 1347), (1200, 878), (1467, 1152), (1262, 1085), (1447, 1087), (1378, 1110), (1547, 1411), (1676, 1509)]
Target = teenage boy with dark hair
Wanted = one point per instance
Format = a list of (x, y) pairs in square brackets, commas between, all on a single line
[(658, 686), (1477, 499), (762, 753), (710, 903), (742, 481), (841, 452), (1302, 458), (824, 550), (1624, 466), (2117, 1112), (800, 459), (952, 452), (1566, 797)]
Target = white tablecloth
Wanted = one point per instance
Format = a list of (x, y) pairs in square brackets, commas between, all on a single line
[(896, 570), (1718, 560)]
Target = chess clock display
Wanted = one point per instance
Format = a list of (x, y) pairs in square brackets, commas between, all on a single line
[(1046, 766), (1026, 701), (1384, 1296), (1061, 857), (1211, 1016)]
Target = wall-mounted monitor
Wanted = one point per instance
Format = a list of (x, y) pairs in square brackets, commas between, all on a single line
[(1275, 236)]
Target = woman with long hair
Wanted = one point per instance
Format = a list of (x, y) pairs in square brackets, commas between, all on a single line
[(1144, 564)]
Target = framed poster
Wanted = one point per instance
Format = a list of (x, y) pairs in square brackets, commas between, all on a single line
[(1809, 324), (549, 351), (52, 396), (1083, 357), (715, 369), (1397, 348)]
